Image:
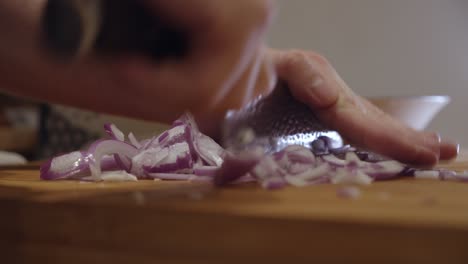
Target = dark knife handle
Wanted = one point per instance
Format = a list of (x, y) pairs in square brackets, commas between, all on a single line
[(75, 28)]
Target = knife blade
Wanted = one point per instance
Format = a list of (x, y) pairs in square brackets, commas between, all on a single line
[(276, 121)]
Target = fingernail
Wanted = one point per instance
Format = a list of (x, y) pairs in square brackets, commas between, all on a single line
[(450, 142)]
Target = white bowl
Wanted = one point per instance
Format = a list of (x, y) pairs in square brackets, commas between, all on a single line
[(415, 111)]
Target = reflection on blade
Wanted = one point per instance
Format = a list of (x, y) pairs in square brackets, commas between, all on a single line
[(274, 122)]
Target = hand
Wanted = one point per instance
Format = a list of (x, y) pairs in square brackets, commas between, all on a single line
[(313, 81), (217, 74)]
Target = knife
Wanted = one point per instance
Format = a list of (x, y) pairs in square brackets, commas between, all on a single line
[(276, 121)]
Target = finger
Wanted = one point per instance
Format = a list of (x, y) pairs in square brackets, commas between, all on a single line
[(443, 148), (379, 132), (448, 149), (352, 116)]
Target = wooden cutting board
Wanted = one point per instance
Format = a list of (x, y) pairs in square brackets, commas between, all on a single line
[(406, 220)]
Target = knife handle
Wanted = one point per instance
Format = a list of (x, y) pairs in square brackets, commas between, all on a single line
[(74, 28)]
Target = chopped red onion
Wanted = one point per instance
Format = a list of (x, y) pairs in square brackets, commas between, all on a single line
[(427, 174), (349, 175), (454, 176), (209, 150), (463, 176), (184, 153), (134, 141), (114, 132), (235, 167), (333, 160), (172, 159), (101, 148), (384, 170), (117, 176), (205, 170), (65, 166), (312, 173)]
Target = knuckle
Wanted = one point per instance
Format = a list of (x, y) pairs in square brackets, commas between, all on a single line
[(297, 55), (298, 61), (318, 58), (293, 58)]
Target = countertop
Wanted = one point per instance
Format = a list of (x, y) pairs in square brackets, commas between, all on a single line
[(404, 220)]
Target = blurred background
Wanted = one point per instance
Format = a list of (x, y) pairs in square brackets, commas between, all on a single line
[(388, 48), (380, 48)]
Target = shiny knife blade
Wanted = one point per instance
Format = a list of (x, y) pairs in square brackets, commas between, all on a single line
[(274, 122)]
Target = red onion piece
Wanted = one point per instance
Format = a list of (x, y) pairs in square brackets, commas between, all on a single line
[(299, 154), (101, 148), (114, 132), (169, 159), (427, 174), (64, 166), (333, 160), (309, 176), (236, 166), (211, 153), (123, 162), (384, 170), (133, 140), (117, 176), (460, 176), (350, 175), (206, 171)]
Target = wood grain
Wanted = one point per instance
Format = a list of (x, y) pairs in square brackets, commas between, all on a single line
[(398, 221)]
